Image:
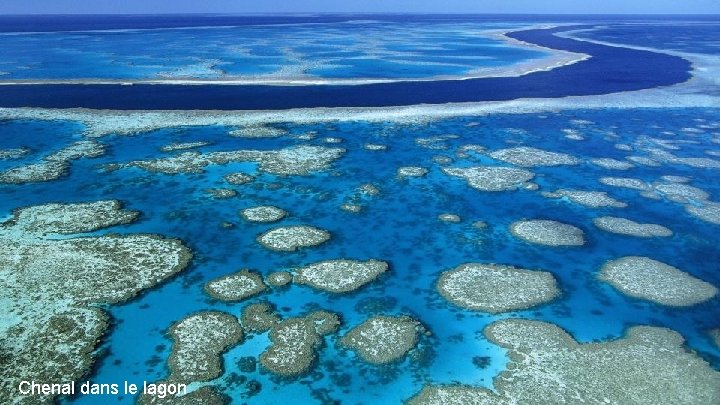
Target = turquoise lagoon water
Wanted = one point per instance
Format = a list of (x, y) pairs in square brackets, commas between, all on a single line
[(400, 226), (343, 50)]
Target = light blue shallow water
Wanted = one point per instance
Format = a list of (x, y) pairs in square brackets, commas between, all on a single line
[(333, 50), (400, 226)]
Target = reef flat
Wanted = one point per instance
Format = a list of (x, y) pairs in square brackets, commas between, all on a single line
[(625, 182), (199, 340), (258, 131), (279, 278), (340, 276), (175, 146), (548, 232), (352, 208), (648, 279), (675, 179), (264, 213), (299, 160), (715, 335), (710, 212), (411, 171), (292, 238), (53, 166), (383, 339), (592, 199), (238, 178), (648, 365), (695, 200), (612, 164), (496, 288), (292, 352), (70, 218), (16, 153), (236, 287), (494, 178), (438, 142), (295, 342), (526, 156), (681, 193), (52, 288), (259, 317), (624, 226)]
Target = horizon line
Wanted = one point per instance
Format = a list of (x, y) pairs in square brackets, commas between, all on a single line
[(311, 13)]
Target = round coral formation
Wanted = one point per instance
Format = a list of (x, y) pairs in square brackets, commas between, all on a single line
[(340, 276), (292, 238), (383, 339), (645, 278), (496, 288), (548, 232)]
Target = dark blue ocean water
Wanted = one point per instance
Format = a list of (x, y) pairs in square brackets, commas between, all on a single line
[(400, 225), (697, 37), (75, 22)]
